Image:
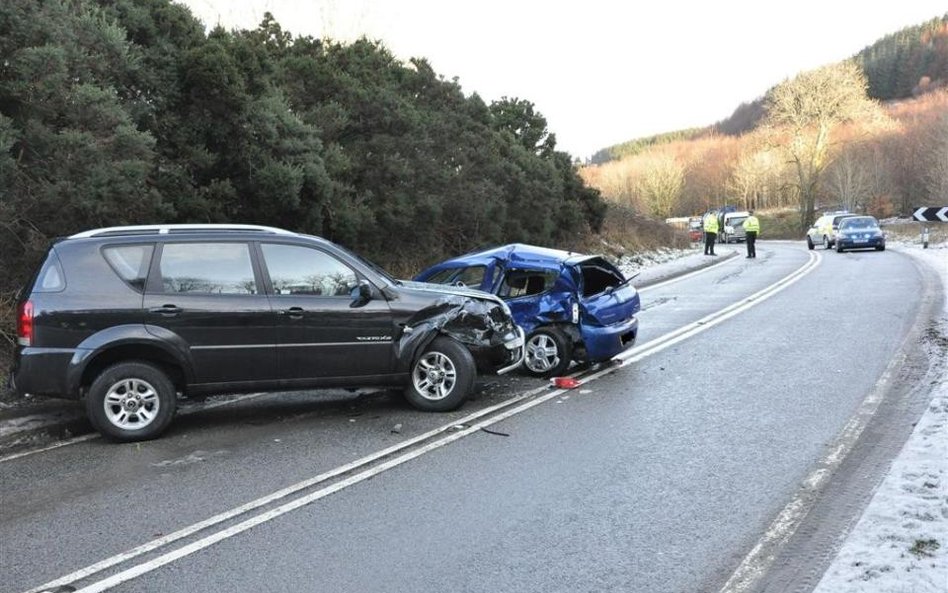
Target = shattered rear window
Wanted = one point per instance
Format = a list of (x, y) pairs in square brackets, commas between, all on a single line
[(599, 275)]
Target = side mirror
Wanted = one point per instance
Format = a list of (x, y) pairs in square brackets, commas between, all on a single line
[(361, 293)]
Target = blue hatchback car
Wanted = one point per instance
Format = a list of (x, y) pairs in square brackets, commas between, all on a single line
[(571, 306)]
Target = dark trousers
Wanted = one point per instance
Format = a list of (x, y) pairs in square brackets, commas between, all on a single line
[(751, 240), (709, 239)]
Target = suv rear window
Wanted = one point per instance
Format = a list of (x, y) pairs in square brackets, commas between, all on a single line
[(207, 268), (130, 262), (50, 277)]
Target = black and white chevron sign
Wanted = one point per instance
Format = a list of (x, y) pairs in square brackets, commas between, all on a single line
[(936, 214)]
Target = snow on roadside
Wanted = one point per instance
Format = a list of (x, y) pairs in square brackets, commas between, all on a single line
[(901, 542), (630, 264)]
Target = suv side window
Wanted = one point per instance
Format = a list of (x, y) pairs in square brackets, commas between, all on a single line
[(296, 270), (50, 277), (207, 268), (130, 262)]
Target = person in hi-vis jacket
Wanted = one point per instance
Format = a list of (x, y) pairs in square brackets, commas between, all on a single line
[(751, 229), (710, 232)]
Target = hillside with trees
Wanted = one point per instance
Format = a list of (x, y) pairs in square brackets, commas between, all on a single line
[(823, 139)]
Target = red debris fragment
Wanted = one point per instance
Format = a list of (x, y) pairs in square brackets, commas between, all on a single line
[(564, 382)]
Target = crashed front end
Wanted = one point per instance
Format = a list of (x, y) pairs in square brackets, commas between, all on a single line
[(482, 323)]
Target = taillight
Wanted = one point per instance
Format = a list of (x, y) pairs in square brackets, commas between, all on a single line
[(24, 324)]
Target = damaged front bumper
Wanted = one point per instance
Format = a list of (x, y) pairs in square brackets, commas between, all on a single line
[(481, 322)]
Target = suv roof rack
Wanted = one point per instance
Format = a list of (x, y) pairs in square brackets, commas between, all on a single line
[(165, 229)]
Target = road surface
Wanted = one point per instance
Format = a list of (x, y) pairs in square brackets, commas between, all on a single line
[(659, 474)]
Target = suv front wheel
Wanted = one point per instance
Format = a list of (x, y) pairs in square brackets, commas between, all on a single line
[(131, 401), (442, 377)]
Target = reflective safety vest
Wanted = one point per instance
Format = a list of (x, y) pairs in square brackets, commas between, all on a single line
[(752, 225), (711, 223)]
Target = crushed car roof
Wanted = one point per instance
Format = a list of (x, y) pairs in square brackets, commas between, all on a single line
[(531, 255)]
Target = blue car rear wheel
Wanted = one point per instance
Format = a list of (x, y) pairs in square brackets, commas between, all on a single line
[(548, 353)]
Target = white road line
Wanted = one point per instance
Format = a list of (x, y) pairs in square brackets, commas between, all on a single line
[(56, 445), (95, 435), (633, 355)]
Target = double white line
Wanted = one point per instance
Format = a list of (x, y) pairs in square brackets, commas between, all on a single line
[(384, 460)]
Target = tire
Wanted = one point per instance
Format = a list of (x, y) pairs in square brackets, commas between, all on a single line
[(442, 377), (809, 243), (839, 248), (549, 353), (880, 248), (826, 243), (131, 401)]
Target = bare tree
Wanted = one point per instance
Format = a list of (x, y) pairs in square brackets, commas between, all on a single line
[(849, 177), (660, 185), (808, 108), (937, 177), (756, 177)]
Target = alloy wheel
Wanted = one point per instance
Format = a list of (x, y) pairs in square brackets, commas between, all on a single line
[(434, 376), (131, 404), (542, 353)]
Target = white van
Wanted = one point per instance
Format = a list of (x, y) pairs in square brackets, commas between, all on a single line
[(734, 227)]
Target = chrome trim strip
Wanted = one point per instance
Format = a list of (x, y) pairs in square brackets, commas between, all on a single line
[(301, 345), (232, 346), (360, 343)]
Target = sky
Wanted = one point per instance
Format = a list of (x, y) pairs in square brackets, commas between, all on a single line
[(600, 71)]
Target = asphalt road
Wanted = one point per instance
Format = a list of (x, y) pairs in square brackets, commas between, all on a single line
[(659, 476)]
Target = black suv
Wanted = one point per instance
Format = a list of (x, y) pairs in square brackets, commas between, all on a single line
[(129, 317)]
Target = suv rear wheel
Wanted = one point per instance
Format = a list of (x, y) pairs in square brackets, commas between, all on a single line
[(131, 401), (442, 377), (548, 353)]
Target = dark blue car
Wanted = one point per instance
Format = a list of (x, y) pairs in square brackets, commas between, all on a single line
[(859, 232), (571, 306)]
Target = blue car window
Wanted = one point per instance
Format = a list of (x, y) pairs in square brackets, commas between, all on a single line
[(518, 283), (473, 276), (442, 276)]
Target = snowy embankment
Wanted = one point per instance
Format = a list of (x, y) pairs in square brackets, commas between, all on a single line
[(901, 542)]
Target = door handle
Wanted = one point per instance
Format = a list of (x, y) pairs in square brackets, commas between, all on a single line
[(293, 312), (166, 310)]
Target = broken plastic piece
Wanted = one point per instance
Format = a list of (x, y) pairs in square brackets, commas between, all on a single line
[(564, 382)]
